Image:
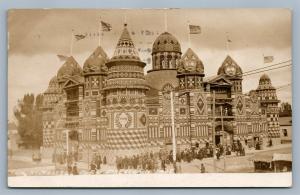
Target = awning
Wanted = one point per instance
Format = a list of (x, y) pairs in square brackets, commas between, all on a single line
[(282, 157)]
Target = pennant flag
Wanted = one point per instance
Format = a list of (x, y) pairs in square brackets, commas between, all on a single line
[(106, 26), (194, 29), (268, 59), (79, 37), (147, 32), (62, 57)]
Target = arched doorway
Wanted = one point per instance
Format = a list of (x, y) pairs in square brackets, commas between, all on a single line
[(223, 137)]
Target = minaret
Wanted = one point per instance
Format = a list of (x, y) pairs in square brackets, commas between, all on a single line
[(125, 101), (95, 73), (269, 105)]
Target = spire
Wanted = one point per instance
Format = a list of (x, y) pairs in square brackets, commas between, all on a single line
[(125, 49)]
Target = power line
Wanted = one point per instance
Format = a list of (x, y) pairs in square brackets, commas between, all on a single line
[(283, 86), (267, 70), (267, 66)]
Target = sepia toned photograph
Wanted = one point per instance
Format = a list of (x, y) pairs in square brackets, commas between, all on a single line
[(149, 98)]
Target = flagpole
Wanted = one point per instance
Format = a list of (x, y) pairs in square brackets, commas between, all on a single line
[(125, 18), (227, 42), (189, 34), (166, 21), (99, 31), (173, 131), (71, 45)]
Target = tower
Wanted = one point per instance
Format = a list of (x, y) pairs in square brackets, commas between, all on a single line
[(230, 109), (69, 107), (94, 72), (125, 100), (51, 96), (192, 99), (269, 105), (166, 53)]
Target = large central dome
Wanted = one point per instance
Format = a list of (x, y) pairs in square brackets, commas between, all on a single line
[(166, 52), (166, 42)]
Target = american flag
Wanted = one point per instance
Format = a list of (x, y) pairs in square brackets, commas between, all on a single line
[(194, 29), (79, 37), (268, 59), (106, 26)]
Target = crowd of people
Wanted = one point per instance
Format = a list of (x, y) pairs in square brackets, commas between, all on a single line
[(151, 161), (96, 163)]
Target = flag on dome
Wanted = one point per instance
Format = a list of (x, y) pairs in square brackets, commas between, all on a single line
[(79, 37), (106, 26), (268, 59), (62, 57), (195, 29)]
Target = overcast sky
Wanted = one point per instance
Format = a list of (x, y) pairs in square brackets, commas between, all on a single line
[(37, 36)]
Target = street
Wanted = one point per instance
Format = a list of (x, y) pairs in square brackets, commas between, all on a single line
[(23, 165)]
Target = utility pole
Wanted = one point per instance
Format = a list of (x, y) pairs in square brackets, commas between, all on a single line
[(213, 130), (173, 132), (223, 137), (190, 116)]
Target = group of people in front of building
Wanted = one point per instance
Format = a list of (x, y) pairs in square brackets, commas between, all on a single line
[(96, 163), (151, 161)]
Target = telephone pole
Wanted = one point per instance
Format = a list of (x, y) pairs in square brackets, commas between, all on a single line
[(213, 130), (223, 137), (173, 132)]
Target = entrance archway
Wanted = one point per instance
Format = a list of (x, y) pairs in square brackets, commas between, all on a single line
[(224, 138)]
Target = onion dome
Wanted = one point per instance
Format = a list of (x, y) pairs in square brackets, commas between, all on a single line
[(190, 63), (96, 62), (230, 68), (125, 49), (53, 86), (68, 69), (265, 82), (166, 42)]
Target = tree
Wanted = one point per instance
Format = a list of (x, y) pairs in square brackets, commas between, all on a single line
[(285, 109), (29, 116)]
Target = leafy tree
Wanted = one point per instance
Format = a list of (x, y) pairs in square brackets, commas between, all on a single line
[(29, 116), (286, 109)]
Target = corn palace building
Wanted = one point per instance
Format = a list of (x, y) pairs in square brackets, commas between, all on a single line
[(111, 107)]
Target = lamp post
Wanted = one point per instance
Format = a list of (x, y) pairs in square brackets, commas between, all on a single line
[(213, 130), (173, 132), (223, 136)]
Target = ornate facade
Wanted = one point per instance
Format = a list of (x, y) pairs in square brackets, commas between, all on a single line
[(111, 107)]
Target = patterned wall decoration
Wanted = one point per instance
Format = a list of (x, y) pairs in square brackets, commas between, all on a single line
[(141, 120), (200, 104), (239, 105), (123, 120), (166, 89)]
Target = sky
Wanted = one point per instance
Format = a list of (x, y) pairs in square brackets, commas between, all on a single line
[(35, 37)]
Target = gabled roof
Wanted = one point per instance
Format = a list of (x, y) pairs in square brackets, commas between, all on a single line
[(190, 63), (73, 81), (219, 80), (228, 65), (96, 62), (68, 69)]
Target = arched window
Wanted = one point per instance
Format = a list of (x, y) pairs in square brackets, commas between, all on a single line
[(169, 63)]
